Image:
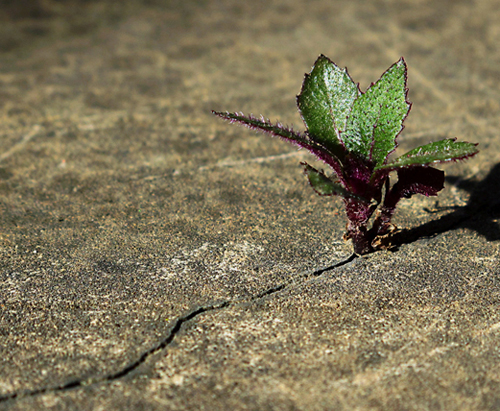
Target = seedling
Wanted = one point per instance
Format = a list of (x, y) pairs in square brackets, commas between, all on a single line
[(354, 133)]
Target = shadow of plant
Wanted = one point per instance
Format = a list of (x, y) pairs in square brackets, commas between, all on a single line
[(480, 214)]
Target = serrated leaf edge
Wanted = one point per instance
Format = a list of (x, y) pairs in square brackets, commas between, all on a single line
[(409, 103), (306, 78), (394, 166)]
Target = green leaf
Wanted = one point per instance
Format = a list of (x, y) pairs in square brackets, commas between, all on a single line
[(324, 102), (324, 186), (437, 152), (377, 116)]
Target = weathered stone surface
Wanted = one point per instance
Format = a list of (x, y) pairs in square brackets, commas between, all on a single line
[(154, 257)]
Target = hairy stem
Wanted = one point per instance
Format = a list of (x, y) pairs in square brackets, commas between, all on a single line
[(359, 214)]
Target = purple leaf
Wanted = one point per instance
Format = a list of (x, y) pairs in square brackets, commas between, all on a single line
[(415, 180), (302, 140), (419, 180)]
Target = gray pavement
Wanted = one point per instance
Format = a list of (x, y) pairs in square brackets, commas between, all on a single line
[(155, 257)]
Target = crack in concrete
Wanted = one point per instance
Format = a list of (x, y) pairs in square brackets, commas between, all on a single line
[(174, 331), (129, 368)]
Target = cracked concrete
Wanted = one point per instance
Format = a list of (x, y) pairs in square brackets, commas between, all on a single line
[(154, 257)]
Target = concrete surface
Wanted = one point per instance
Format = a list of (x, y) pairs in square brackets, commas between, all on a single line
[(155, 257)]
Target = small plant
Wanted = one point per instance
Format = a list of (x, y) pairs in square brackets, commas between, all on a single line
[(354, 133)]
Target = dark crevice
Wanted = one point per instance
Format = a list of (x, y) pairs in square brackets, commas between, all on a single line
[(174, 331), (166, 341), (303, 276), (129, 368)]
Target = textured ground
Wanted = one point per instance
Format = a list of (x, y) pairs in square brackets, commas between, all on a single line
[(155, 257)]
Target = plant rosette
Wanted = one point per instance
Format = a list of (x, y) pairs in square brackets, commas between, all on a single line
[(354, 133)]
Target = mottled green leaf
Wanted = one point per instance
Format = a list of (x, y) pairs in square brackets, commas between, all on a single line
[(324, 185), (437, 152), (377, 116), (325, 101)]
